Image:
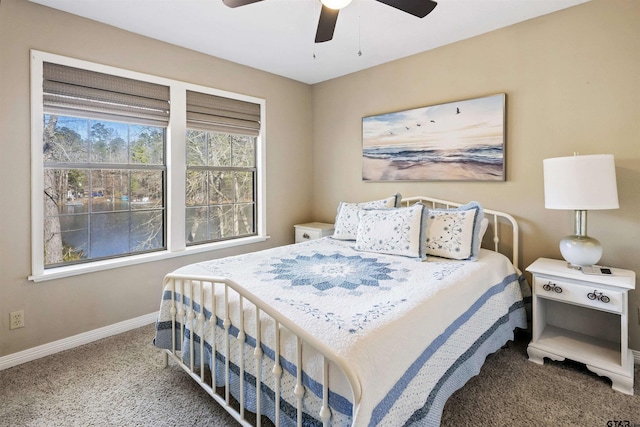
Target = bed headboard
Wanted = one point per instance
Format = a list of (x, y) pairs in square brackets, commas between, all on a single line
[(502, 233)]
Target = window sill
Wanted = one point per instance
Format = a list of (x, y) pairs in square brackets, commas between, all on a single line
[(75, 270)]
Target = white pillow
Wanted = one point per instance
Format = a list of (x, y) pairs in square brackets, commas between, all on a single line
[(398, 231), (455, 233), (346, 224)]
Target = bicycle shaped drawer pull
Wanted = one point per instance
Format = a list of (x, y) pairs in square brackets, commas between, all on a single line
[(305, 236), (599, 296), (552, 287)]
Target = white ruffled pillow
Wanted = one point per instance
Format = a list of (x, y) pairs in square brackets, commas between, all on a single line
[(398, 231), (346, 224), (455, 233)]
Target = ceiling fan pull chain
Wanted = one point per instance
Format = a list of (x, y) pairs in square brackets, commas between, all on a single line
[(315, 10), (359, 33)]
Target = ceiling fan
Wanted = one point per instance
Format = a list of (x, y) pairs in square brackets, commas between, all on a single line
[(331, 8)]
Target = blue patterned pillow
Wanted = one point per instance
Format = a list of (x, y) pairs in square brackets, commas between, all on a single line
[(346, 224), (455, 233), (398, 231)]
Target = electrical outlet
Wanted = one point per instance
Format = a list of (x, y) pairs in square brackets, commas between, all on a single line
[(16, 319)]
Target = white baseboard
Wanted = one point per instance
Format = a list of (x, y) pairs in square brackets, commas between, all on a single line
[(75, 341)]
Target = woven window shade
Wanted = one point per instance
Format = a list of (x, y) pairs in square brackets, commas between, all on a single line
[(75, 92), (219, 114)]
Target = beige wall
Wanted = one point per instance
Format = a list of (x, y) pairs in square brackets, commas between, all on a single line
[(572, 81), (572, 84), (62, 308)]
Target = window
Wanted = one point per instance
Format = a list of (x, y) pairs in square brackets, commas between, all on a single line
[(103, 189), (103, 158), (128, 167), (220, 186), (221, 167)]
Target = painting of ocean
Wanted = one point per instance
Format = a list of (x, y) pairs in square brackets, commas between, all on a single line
[(456, 141)]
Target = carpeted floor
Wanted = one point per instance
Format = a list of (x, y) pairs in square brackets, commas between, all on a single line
[(117, 381)]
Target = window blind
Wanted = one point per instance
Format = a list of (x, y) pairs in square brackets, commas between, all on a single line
[(219, 114), (76, 92)]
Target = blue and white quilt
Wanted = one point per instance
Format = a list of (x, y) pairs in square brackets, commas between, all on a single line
[(413, 331)]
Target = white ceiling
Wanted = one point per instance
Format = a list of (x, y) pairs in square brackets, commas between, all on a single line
[(277, 35)]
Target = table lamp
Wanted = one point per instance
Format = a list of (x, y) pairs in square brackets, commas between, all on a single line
[(580, 183)]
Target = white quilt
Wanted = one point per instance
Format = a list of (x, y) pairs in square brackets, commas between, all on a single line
[(404, 325)]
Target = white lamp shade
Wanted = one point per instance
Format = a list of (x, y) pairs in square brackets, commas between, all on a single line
[(580, 182)]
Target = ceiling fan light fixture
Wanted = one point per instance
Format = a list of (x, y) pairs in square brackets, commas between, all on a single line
[(335, 4)]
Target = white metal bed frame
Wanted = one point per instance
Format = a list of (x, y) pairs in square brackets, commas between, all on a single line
[(179, 283)]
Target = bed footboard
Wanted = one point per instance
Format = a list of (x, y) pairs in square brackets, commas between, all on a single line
[(241, 352)]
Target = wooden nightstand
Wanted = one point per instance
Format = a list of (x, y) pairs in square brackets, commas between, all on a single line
[(584, 318), (312, 230)]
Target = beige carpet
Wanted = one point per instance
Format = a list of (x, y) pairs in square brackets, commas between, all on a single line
[(117, 382)]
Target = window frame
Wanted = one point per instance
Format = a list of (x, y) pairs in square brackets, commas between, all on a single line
[(176, 173)]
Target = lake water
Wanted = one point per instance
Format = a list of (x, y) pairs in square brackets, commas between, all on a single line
[(114, 228)]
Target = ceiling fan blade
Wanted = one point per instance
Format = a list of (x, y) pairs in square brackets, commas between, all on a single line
[(419, 8), (326, 24), (238, 3)]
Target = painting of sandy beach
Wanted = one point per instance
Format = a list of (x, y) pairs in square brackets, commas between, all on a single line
[(456, 141)]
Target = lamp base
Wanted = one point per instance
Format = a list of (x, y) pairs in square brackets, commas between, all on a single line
[(580, 251)]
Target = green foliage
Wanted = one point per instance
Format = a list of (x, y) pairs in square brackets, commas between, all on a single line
[(70, 254)]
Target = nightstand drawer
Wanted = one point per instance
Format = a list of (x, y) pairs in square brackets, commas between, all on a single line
[(312, 231), (303, 234), (590, 295)]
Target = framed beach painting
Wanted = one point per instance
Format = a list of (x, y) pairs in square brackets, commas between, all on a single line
[(456, 141)]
